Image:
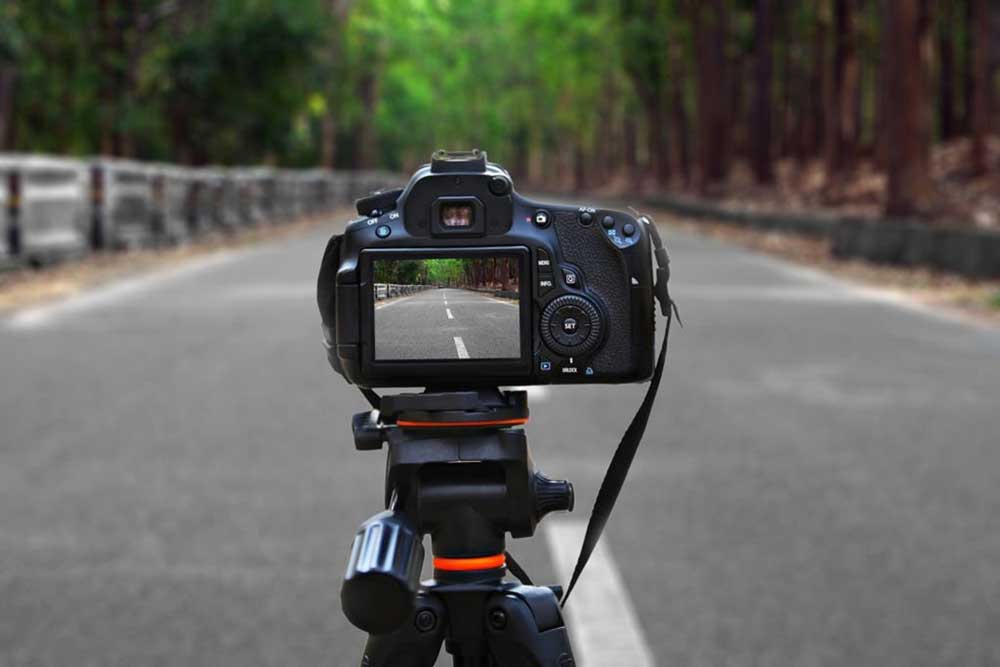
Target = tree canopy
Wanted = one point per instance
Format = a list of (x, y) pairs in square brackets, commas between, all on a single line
[(568, 93)]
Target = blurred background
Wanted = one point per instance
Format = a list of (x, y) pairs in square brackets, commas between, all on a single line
[(869, 103), (819, 483)]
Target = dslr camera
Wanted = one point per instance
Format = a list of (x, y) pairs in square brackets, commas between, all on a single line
[(456, 280)]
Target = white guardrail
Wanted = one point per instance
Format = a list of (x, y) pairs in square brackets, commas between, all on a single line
[(52, 208), (391, 290)]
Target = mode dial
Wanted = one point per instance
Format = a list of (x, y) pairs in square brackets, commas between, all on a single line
[(571, 325)]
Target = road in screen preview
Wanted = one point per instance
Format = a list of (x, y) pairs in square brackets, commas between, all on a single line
[(447, 323)]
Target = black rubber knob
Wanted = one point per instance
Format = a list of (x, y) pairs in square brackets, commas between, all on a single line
[(552, 495), (383, 575), (499, 186)]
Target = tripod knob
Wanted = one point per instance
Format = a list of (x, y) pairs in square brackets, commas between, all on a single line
[(383, 574), (552, 495)]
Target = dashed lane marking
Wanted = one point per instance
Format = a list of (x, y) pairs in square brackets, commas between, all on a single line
[(460, 348)]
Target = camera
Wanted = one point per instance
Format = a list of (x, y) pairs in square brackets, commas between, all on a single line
[(456, 280)]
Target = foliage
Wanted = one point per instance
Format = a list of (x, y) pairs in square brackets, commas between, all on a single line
[(561, 91)]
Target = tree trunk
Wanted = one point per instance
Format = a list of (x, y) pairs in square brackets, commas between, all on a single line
[(659, 135), (339, 10), (814, 92), (910, 189), (367, 149), (946, 73), (710, 39), (842, 83), (981, 88), (630, 145), (678, 115), (760, 124), (783, 38), (8, 79)]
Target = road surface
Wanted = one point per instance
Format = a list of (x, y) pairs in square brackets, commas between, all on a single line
[(820, 482), (447, 323)]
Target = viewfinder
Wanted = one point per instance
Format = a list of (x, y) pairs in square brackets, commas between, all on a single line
[(458, 215)]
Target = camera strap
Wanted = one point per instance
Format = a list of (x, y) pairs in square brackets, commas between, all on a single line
[(621, 462)]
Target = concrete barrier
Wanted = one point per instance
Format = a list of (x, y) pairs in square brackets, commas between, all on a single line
[(51, 208), (48, 207), (954, 248), (6, 221), (124, 204)]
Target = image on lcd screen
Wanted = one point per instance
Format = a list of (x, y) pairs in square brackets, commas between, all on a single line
[(447, 308)]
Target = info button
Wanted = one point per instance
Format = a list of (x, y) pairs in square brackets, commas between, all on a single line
[(545, 283)]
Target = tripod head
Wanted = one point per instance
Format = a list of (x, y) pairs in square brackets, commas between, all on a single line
[(458, 470)]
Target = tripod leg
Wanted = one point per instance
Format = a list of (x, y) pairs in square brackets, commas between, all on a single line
[(415, 644), (525, 629)]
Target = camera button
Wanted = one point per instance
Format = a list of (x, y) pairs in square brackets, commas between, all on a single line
[(543, 261), (570, 278), (545, 365), (545, 284), (608, 222), (628, 229), (542, 218), (586, 217), (383, 231)]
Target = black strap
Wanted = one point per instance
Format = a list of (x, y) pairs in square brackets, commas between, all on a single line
[(516, 569), (614, 478)]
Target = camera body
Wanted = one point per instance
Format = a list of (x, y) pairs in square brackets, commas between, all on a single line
[(458, 281)]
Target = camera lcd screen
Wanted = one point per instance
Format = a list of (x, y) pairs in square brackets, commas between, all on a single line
[(447, 308), (457, 216)]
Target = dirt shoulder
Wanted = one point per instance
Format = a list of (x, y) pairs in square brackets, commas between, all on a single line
[(24, 287), (978, 300)]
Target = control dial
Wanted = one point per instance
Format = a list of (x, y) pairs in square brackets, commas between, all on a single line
[(571, 325)]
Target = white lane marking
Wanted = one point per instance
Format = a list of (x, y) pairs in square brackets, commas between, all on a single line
[(460, 348), (602, 622), (450, 316), (108, 295)]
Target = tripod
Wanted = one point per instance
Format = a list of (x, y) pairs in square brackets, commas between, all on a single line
[(459, 470)]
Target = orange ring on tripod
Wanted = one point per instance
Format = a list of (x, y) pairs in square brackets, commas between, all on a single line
[(470, 564), (516, 421)]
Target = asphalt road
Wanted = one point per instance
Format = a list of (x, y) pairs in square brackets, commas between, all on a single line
[(820, 484), (449, 324)]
